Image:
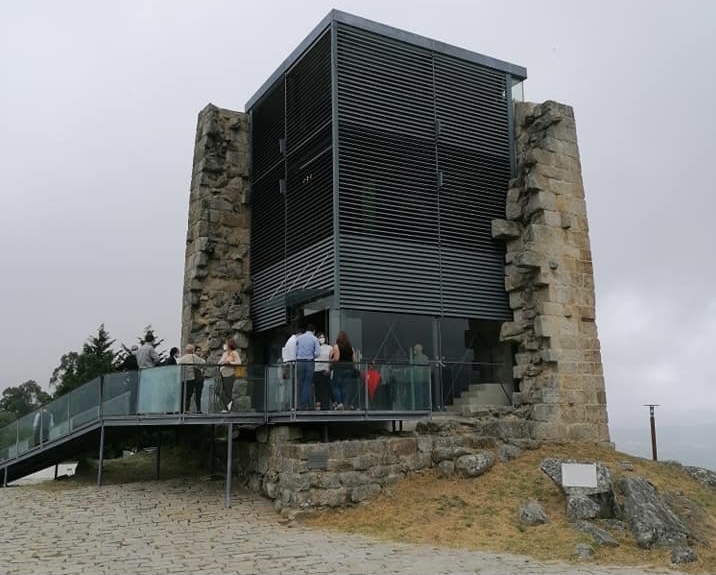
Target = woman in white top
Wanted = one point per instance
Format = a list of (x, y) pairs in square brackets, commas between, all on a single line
[(228, 361), (322, 374)]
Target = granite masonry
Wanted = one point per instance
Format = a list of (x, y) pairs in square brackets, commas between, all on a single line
[(216, 274), (550, 281)]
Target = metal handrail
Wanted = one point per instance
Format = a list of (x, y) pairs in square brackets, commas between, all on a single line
[(117, 395)]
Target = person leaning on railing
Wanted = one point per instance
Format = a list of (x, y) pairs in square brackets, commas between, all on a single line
[(228, 362), (192, 378)]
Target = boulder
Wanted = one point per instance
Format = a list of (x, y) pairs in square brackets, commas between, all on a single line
[(599, 536), (581, 507), (602, 495), (446, 468), (681, 555), (583, 551), (508, 452), (532, 513), (651, 521), (474, 464), (704, 476)]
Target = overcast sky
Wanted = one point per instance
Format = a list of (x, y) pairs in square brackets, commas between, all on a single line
[(98, 105)]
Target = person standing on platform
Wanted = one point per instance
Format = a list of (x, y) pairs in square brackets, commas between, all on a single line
[(192, 378), (307, 350), (322, 375), (147, 356), (228, 362)]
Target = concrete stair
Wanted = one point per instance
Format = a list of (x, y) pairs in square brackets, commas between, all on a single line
[(479, 395)]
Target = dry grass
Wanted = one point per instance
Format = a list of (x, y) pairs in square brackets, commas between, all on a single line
[(481, 513)]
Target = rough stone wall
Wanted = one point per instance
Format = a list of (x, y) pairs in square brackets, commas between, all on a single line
[(216, 273), (550, 281), (277, 463)]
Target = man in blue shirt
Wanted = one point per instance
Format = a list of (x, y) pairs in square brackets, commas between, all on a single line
[(307, 350)]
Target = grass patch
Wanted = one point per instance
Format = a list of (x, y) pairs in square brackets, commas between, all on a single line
[(482, 513), (174, 462)]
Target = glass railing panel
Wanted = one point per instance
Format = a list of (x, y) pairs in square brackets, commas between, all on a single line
[(485, 383), (84, 404), (8, 441), (119, 393), (397, 386), (28, 437), (279, 380), (211, 400), (160, 390), (255, 382), (59, 417)]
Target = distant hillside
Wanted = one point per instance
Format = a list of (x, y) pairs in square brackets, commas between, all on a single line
[(690, 445)]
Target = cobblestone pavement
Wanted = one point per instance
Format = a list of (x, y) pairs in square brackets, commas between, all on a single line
[(181, 527)]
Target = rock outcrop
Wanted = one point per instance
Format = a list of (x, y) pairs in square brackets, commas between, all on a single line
[(584, 502), (652, 522), (532, 513)]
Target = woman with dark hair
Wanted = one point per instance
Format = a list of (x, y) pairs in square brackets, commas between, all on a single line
[(342, 358), (173, 354), (228, 362)]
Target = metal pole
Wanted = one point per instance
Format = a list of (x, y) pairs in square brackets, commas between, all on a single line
[(652, 424), (4, 481), (229, 455), (213, 448), (100, 465), (159, 451), (56, 469)]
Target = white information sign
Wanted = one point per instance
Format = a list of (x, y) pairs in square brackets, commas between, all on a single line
[(579, 475)]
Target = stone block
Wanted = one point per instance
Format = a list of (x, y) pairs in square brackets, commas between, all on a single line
[(446, 468), (450, 453), (547, 412), (424, 443), (475, 464), (330, 497), (541, 200), (364, 492), (507, 452), (421, 461), (505, 230), (366, 461), (353, 478), (581, 507), (581, 432), (402, 446)]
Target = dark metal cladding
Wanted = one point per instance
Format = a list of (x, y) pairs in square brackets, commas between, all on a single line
[(423, 156), (424, 162)]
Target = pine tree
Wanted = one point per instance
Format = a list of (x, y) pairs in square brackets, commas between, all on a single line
[(77, 368)]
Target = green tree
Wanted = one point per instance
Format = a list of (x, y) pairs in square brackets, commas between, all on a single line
[(77, 368), (21, 400)]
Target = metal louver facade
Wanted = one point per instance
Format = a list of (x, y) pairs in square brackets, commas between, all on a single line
[(379, 160)]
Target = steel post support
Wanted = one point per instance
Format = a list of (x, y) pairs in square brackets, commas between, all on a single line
[(159, 453), (100, 465), (229, 456)]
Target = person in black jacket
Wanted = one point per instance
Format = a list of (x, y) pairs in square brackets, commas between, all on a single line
[(172, 359)]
